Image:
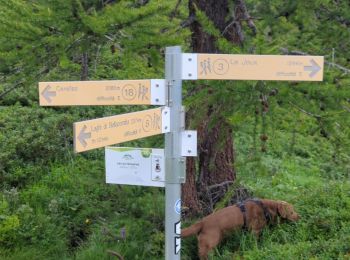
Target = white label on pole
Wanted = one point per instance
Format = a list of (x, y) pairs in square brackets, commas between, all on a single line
[(189, 66), (157, 92), (158, 164), (189, 143), (165, 120), (135, 166)]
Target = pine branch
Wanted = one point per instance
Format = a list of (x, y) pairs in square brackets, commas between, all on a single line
[(296, 52), (104, 3), (188, 22), (347, 71), (18, 84), (137, 19), (334, 16), (239, 20), (225, 183), (305, 112), (143, 2), (173, 13), (245, 15), (74, 42), (233, 31)]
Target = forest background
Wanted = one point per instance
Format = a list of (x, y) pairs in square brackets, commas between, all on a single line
[(291, 141)]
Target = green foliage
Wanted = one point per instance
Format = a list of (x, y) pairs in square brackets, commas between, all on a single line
[(61, 198), (208, 25), (311, 180), (56, 205), (30, 137), (9, 223), (46, 39)]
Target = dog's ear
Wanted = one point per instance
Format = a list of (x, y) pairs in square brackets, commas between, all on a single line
[(286, 211), (282, 209)]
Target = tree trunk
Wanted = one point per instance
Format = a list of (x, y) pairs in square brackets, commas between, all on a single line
[(216, 160), (191, 205), (215, 142)]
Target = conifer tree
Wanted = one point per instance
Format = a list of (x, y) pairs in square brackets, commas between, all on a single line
[(212, 22), (266, 27), (78, 39)]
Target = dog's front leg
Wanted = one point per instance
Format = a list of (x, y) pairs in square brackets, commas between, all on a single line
[(206, 242), (257, 233)]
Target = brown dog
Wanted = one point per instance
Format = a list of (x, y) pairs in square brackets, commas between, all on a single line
[(251, 214)]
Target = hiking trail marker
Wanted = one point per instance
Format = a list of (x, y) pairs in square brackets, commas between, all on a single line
[(106, 92), (106, 131), (252, 67), (131, 166)]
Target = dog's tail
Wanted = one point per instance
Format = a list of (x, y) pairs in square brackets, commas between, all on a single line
[(192, 230)]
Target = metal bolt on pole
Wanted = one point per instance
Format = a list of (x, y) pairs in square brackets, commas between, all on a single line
[(175, 164)]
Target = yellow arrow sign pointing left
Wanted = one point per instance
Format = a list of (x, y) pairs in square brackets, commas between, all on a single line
[(107, 92), (106, 131)]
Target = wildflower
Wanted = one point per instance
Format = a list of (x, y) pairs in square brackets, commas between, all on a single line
[(123, 233)]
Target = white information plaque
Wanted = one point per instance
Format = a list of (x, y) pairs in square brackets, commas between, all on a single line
[(135, 166)]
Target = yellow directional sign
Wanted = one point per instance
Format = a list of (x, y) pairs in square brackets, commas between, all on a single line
[(105, 131), (108, 92), (252, 67)]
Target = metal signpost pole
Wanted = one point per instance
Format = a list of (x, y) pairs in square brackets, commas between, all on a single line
[(175, 164)]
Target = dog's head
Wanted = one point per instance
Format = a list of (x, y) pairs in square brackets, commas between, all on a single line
[(286, 211)]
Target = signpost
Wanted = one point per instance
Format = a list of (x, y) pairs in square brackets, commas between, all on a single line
[(252, 67), (106, 92), (175, 168), (105, 131), (132, 166)]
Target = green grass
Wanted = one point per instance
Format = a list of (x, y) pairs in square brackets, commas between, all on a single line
[(66, 211), (309, 178)]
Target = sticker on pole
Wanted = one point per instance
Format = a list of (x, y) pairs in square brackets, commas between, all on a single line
[(177, 245), (177, 239), (177, 207), (177, 228), (135, 166)]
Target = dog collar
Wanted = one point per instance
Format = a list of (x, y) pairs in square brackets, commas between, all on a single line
[(241, 206), (267, 214)]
